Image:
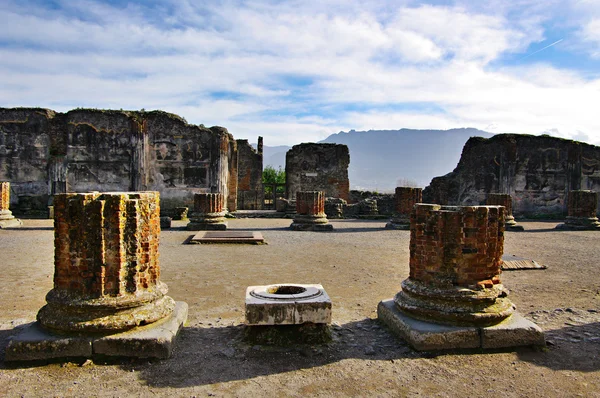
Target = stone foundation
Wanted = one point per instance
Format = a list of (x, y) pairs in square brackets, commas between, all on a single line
[(455, 259), (310, 212), (504, 199), (405, 199), (583, 206), (106, 278), (7, 220), (209, 213)]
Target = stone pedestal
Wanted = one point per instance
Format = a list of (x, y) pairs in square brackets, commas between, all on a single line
[(454, 293), (504, 199), (405, 199), (209, 213), (310, 212), (287, 313), (106, 282), (7, 220), (582, 209)]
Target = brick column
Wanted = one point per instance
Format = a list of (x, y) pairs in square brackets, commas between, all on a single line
[(209, 212), (405, 199), (455, 259), (106, 275), (310, 212), (582, 208), (504, 199), (7, 220)]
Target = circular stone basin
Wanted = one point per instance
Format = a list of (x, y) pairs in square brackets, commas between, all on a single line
[(286, 291)]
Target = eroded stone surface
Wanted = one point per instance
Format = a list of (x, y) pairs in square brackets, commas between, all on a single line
[(310, 212), (209, 212), (273, 305), (583, 206)]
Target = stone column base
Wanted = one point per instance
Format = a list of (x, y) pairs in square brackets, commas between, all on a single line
[(203, 226), (580, 224), (424, 336), (398, 223), (10, 223), (155, 340), (296, 226)]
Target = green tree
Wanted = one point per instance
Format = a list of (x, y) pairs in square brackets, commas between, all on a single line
[(272, 176)]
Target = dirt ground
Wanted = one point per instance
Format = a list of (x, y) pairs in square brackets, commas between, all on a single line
[(359, 264)]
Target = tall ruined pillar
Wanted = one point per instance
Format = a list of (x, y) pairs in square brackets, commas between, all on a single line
[(454, 282), (107, 297), (209, 212), (504, 199), (310, 212), (405, 199), (583, 207), (7, 220)]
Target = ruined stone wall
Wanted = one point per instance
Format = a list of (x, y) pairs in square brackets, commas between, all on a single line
[(43, 153), (318, 167), (537, 171), (250, 165)]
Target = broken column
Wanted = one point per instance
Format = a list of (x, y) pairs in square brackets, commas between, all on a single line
[(310, 212), (7, 220), (504, 199), (582, 210), (453, 297), (107, 297), (405, 199), (209, 213)]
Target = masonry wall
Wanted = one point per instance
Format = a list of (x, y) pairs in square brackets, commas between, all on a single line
[(250, 166), (318, 167), (43, 152), (537, 171)]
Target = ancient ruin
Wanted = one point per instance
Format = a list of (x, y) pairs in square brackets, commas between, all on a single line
[(504, 199), (583, 207), (310, 212), (453, 297), (537, 171), (7, 220), (318, 167), (107, 298), (43, 153), (287, 313), (405, 199), (209, 212), (250, 193)]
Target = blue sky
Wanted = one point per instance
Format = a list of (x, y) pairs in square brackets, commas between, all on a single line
[(298, 71)]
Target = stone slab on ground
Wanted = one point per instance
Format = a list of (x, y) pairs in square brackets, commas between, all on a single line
[(510, 262), (151, 341), (424, 336), (311, 227), (228, 237), (12, 223)]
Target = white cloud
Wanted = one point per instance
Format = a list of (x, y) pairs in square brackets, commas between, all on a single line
[(301, 70)]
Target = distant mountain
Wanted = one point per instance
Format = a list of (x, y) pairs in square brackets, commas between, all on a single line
[(383, 159)]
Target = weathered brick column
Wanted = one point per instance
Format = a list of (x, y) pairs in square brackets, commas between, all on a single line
[(582, 209), (504, 199), (454, 282), (106, 275), (310, 212), (405, 199), (208, 213), (7, 220)]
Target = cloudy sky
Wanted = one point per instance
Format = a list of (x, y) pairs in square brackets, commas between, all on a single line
[(299, 70)]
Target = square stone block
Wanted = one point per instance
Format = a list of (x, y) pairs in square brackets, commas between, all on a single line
[(155, 340), (424, 336), (287, 304)]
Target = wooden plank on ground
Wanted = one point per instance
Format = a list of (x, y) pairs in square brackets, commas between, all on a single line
[(513, 263)]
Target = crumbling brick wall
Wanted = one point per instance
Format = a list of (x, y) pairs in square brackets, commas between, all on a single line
[(537, 171), (318, 167), (250, 166), (43, 152)]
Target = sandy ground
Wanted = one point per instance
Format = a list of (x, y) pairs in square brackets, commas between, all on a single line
[(359, 264)]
